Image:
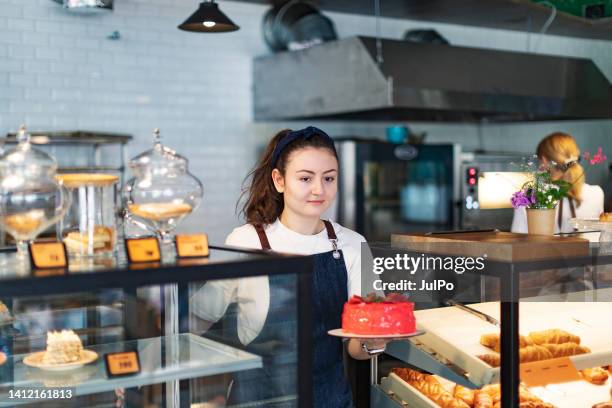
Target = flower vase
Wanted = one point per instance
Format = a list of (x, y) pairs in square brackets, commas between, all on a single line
[(541, 221)]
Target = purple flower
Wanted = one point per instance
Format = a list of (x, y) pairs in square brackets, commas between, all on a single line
[(520, 199)]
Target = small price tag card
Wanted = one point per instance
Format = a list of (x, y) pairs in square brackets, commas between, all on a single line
[(552, 371), (142, 249), (45, 255), (122, 363), (192, 246)]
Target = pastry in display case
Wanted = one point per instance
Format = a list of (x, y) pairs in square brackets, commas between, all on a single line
[(31, 199), (151, 365), (64, 352), (89, 227), (162, 191), (559, 342)]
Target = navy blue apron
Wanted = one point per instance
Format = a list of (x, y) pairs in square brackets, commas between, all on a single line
[(271, 385)]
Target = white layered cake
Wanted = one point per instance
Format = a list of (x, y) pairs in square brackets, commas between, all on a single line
[(62, 347)]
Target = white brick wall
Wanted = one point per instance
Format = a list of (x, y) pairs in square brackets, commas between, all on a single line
[(59, 71)]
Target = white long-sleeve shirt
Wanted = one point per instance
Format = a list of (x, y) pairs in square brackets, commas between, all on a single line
[(591, 207), (253, 294)]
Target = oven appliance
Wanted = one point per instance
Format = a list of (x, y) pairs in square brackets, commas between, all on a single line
[(387, 188)]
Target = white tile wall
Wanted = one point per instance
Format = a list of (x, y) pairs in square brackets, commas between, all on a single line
[(59, 71)]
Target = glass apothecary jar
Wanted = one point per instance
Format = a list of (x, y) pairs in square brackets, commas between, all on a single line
[(161, 192), (31, 199), (89, 227)]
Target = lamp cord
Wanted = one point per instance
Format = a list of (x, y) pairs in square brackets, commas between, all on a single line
[(379, 52), (545, 26)]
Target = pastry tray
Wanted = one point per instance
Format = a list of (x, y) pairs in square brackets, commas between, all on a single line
[(575, 394), (455, 334)]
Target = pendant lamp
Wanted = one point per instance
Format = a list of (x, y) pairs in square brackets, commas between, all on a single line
[(208, 19)]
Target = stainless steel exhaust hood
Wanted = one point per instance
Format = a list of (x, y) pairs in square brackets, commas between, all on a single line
[(426, 82)]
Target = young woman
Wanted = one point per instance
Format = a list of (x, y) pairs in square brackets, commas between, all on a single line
[(583, 201), (293, 185)]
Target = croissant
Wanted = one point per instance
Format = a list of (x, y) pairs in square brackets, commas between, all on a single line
[(596, 375), (491, 341), (566, 349), (534, 353), (409, 375), (436, 392), (464, 394), (555, 336), (493, 360), (482, 400)]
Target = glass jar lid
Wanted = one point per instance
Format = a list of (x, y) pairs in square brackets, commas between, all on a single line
[(159, 156), (26, 158)]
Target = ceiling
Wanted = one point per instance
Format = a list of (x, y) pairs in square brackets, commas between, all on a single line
[(520, 15)]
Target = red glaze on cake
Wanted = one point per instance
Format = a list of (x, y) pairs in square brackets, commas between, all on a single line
[(378, 316)]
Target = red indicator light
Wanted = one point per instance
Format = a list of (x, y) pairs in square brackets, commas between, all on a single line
[(472, 171), (472, 181)]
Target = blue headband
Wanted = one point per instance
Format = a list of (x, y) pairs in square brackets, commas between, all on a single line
[(305, 134)]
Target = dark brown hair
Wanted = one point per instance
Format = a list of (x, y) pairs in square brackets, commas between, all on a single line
[(264, 204)]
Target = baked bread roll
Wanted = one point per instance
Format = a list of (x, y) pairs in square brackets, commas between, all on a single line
[(603, 405), (494, 360), (409, 375), (491, 341), (534, 353), (553, 336), (596, 375), (482, 400), (526, 355), (429, 386), (464, 394), (566, 349), (605, 217)]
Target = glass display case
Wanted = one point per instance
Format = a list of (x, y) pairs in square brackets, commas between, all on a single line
[(532, 324), (103, 306)]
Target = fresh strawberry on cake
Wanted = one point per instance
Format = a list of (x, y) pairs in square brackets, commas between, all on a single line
[(375, 315)]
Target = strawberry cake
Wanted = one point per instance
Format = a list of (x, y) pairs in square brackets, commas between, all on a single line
[(374, 315)]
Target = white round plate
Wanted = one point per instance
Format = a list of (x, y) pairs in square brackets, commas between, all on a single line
[(346, 335), (35, 360), (590, 224)]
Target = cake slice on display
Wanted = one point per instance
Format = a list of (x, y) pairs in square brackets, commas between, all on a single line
[(62, 347)]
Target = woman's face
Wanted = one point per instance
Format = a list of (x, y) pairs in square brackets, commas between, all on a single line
[(310, 183)]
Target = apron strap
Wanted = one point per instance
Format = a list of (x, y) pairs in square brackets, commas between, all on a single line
[(263, 238), (331, 235), (572, 211)]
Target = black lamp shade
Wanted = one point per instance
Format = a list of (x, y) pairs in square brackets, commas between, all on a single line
[(208, 19)]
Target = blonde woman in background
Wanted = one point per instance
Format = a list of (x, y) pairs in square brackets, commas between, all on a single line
[(583, 201)]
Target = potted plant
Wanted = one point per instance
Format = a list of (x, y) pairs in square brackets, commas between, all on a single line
[(541, 193)]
